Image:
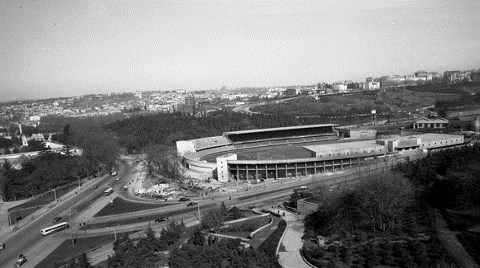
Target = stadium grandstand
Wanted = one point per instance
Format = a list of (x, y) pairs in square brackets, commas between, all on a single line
[(279, 133), (298, 150)]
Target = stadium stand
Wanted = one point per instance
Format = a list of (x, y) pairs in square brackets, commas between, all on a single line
[(279, 133), (211, 142)]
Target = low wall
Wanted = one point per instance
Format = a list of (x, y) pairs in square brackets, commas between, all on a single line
[(200, 166)]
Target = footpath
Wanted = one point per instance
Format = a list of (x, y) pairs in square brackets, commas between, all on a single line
[(292, 242), (449, 240)]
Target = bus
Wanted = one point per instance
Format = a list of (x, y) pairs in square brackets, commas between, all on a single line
[(109, 191), (54, 228)]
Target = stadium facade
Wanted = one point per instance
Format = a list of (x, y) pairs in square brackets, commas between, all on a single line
[(298, 150)]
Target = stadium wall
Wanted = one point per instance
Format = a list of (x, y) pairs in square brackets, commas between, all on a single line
[(199, 166), (185, 146)]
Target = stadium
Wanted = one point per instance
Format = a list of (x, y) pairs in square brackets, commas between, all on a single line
[(285, 152)]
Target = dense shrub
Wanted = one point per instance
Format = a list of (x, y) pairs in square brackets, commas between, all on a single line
[(269, 246)]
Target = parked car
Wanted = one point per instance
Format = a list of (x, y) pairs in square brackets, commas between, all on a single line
[(20, 261), (2, 246), (184, 199), (192, 204), (114, 173), (57, 219)]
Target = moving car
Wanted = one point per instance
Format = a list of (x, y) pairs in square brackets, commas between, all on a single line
[(20, 261), (57, 219), (160, 220), (192, 204), (184, 199)]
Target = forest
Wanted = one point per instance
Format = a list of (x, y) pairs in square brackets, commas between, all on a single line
[(52, 170), (390, 219), (137, 132)]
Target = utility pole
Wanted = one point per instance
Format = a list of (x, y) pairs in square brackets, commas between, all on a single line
[(198, 207), (55, 194)]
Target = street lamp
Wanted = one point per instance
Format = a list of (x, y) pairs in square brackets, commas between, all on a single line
[(55, 194), (114, 231)]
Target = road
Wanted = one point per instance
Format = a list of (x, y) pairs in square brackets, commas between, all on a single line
[(31, 243)]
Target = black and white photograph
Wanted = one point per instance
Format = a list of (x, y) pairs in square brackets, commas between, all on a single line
[(239, 133)]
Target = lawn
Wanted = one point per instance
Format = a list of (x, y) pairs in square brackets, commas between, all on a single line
[(68, 250), (360, 103), (262, 153), (244, 228), (121, 206), (24, 210), (146, 218)]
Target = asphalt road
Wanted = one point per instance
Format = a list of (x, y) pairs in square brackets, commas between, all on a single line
[(29, 241)]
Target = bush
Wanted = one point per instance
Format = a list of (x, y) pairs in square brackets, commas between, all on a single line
[(471, 241), (269, 246)]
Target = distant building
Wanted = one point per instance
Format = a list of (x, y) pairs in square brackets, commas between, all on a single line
[(340, 87), (436, 123), (475, 76), (455, 76), (372, 85), (421, 74), (291, 92), (190, 104)]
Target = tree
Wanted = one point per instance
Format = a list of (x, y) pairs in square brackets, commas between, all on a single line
[(100, 148), (213, 219), (80, 262), (164, 164), (348, 210), (66, 134), (384, 200), (234, 213), (197, 238)]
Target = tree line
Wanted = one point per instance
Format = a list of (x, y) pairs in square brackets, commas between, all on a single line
[(447, 179), (51, 170), (143, 252), (390, 219), (211, 252), (137, 132)]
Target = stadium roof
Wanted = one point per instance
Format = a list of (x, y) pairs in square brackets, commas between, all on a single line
[(276, 129), (333, 147)]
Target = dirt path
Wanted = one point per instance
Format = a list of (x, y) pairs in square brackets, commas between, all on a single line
[(454, 248)]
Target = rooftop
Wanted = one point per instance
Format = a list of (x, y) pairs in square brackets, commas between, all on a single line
[(432, 120), (355, 145), (277, 129)]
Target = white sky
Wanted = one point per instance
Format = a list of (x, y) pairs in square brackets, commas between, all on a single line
[(68, 47)]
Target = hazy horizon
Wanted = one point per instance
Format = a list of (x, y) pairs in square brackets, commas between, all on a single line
[(70, 48)]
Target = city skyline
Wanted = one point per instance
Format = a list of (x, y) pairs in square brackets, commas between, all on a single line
[(69, 48)]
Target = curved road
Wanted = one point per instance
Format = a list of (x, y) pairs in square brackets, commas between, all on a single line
[(28, 240)]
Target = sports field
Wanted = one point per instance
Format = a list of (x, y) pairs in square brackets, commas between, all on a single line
[(265, 153)]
